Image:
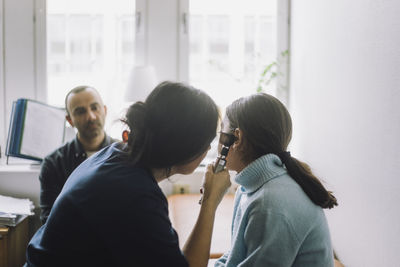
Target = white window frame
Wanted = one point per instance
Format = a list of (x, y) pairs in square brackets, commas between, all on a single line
[(40, 50), (17, 59), (23, 67), (283, 44), (183, 43), (2, 91), (141, 42)]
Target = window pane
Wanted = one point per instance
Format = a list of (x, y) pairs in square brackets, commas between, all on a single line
[(231, 42), (91, 42)]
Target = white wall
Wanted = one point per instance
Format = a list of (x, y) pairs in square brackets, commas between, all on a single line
[(22, 181), (345, 82)]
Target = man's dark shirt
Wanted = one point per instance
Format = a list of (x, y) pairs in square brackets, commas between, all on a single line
[(56, 168)]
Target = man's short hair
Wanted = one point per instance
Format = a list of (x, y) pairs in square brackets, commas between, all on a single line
[(76, 90)]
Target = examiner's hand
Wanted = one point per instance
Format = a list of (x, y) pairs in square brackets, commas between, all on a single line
[(215, 185)]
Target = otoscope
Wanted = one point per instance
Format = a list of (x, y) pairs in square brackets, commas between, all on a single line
[(226, 139)]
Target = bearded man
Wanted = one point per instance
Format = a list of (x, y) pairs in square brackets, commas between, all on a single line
[(86, 112)]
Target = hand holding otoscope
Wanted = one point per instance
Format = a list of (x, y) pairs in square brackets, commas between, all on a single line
[(221, 160), (226, 139)]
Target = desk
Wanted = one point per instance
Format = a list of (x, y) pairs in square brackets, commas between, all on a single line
[(183, 212), (13, 242)]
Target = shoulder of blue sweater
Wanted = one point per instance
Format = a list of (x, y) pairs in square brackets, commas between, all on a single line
[(282, 195)]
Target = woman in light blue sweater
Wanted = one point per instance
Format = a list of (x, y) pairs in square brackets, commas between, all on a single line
[(278, 218)]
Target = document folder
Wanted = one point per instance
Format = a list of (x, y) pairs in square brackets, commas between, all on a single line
[(36, 129)]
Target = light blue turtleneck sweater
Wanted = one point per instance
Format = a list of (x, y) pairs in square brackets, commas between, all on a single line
[(274, 221)]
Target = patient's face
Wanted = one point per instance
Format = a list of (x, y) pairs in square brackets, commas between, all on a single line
[(233, 160)]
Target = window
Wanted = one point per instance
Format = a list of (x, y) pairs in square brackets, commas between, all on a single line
[(90, 42)]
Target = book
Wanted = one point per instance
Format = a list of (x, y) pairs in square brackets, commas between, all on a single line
[(36, 129)]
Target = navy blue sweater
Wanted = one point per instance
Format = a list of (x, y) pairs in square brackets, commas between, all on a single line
[(109, 213)]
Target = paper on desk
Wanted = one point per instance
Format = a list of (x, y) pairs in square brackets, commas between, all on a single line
[(13, 205)]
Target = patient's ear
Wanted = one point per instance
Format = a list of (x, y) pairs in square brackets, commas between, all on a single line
[(238, 139)]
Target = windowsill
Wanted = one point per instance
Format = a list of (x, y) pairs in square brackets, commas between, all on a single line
[(35, 168), (16, 165), (19, 168), (25, 166)]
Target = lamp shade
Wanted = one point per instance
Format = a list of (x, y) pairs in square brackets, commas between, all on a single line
[(142, 81)]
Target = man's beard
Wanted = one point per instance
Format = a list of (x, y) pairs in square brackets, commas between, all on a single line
[(89, 132)]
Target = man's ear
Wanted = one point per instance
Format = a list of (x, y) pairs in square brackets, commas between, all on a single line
[(105, 109), (68, 118), (125, 136), (238, 138)]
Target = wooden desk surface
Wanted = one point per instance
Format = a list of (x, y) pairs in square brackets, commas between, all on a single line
[(183, 212)]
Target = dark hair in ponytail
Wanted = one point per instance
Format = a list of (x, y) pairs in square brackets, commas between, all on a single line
[(267, 128), (175, 125)]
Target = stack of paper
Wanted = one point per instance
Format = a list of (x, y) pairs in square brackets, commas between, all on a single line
[(14, 210)]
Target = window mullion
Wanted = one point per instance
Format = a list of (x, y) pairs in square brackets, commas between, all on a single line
[(40, 51), (183, 41), (141, 57)]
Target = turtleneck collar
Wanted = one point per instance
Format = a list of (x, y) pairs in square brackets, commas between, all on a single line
[(259, 172)]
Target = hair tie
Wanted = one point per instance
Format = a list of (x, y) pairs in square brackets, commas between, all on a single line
[(284, 156)]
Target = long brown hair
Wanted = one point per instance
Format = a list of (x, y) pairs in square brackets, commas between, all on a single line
[(267, 128)]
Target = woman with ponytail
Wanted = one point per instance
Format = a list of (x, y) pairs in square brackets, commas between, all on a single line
[(111, 211), (278, 213)]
